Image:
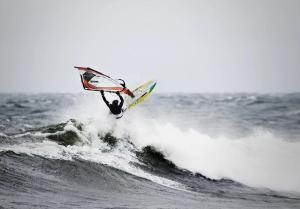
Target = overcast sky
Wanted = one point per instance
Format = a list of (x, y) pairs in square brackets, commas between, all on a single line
[(188, 46)]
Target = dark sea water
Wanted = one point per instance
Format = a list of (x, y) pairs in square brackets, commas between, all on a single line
[(171, 151)]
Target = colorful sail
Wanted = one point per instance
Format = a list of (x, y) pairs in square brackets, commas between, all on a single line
[(96, 81)]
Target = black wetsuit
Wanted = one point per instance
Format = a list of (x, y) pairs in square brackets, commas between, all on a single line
[(114, 109)]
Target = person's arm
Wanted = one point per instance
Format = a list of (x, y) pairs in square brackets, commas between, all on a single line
[(103, 97), (121, 98)]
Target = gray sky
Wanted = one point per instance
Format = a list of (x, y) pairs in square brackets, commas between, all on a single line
[(188, 46)]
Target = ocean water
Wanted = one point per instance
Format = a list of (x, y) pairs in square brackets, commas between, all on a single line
[(171, 151)]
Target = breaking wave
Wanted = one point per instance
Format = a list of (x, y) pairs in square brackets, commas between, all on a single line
[(152, 148)]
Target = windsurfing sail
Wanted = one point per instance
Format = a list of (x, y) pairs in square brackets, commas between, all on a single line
[(96, 81), (140, 93)]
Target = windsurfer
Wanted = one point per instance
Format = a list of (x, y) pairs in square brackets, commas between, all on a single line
[(115, 107)]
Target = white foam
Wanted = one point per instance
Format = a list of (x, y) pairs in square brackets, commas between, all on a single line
[(91, 149), (260, 160)]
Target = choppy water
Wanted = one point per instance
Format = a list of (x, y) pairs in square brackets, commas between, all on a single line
[(172, 151)]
